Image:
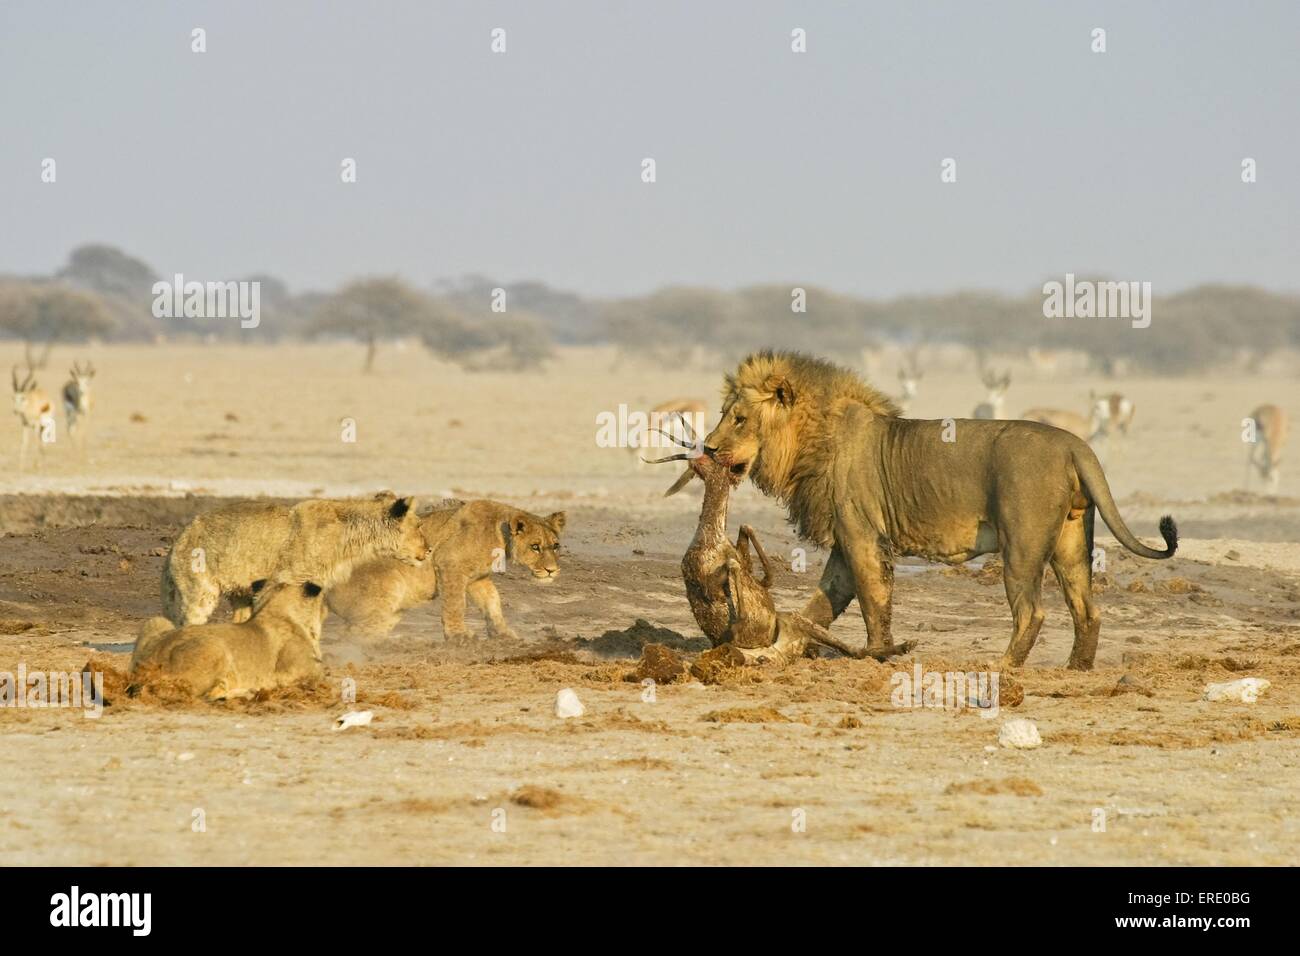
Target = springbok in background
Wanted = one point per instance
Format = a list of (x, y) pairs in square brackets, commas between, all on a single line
[(35, 413), (992, 406), (1044, 361), (1072, 422), (1270, 438), (76, 399), (909, 377), (1112, 411)]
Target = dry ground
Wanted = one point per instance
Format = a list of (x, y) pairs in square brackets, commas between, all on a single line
[(464, 737)]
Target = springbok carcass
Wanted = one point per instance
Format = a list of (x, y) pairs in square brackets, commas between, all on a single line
[(731, 605), (1270, 427), (76, 400), (35, 414)]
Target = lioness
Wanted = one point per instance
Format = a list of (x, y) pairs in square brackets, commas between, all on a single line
[(224, 551), (277, 646), (871, 486), (469, 542)]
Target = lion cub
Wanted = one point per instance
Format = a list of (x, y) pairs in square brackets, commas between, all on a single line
[(470, 540), (277, 646), (221, 553)]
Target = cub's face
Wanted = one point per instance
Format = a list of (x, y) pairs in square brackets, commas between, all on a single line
[(411, 547), (536, 544)]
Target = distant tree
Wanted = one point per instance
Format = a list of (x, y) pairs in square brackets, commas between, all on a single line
[(48, 313), (376, 309), (109, 270)]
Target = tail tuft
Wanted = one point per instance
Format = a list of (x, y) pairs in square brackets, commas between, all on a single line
[(1169, 531)]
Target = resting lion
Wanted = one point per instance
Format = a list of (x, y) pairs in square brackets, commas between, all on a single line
[(872, 486), (470, 540), (225, 550), (277, 646)]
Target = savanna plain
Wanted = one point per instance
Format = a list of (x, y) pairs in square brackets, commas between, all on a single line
[(465, 761)]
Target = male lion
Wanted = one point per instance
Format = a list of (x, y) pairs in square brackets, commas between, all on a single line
[(872, 486), (224, 551), (277, 646), (470, 540)]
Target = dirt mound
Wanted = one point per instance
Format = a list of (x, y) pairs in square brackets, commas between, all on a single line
[(1015, 786), (746, 715), (631, 641)]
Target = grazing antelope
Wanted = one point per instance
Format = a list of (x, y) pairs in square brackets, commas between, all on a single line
[(1044, 360), (35, 413), (1112, 410), (992, 406), (76, 398), (909, 377), (1271, 428), (1072, 422)]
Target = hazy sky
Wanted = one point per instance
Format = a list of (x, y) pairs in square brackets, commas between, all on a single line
[(817, 168)]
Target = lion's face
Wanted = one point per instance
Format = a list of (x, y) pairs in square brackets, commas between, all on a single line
[(535, 543), (412, 547), (751, 420), (734, 443)]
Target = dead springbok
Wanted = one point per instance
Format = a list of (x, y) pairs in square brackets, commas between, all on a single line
[(992, 406), (35, 414), (1270, 438), (76, 400), (732, 607)]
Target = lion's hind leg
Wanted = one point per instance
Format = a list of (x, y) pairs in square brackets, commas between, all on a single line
[(1022, 573), (1072, 564)]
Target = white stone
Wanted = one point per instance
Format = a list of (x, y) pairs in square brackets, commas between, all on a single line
[(1019, 733), (1246, 690), (354, 718), (568, 705)]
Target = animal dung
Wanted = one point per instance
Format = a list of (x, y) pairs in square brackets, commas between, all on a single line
[(354, 718), (1019, 734), (1246, 690), (568, 705), (660, 664)]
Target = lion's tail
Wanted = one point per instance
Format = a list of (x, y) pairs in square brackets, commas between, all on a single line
[(1094, 482)]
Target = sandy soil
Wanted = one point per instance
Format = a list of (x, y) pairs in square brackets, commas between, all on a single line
[(812, 764)]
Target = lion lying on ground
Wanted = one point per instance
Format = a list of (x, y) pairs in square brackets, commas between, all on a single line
[(277, 646), (470, 540), (872, 486), (223, 552)]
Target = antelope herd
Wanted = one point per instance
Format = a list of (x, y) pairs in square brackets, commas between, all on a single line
[(35, 410)]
